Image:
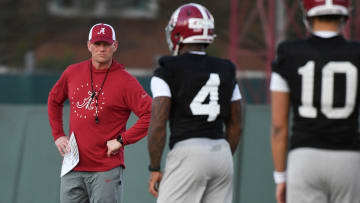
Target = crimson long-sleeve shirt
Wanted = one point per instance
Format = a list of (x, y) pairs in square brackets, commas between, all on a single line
[(121, 95)]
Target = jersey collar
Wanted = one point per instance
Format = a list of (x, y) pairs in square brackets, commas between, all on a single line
[(326, 34), (197, 52)]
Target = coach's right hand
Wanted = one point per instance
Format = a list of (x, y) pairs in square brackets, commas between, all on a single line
[(154, 182), (62, 143)]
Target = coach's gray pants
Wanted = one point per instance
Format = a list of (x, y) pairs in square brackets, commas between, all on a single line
[(92, 187), (323, 176), (198, 170)]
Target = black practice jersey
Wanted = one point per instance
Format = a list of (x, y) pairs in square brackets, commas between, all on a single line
[(201, 89), (323, 77)]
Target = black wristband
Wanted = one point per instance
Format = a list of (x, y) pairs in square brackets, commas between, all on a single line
[(156, 169), (119, 139)]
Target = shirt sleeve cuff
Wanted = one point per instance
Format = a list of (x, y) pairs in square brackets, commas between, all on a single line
[(236, 93), (278, 83), (159, 87)]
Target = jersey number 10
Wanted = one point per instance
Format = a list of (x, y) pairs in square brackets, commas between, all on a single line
[(307, 72)]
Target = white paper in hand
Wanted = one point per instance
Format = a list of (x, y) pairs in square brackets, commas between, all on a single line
[(71, 159)]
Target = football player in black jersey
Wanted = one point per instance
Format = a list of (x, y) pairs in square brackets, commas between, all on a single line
[(318, 77), (198, 94)]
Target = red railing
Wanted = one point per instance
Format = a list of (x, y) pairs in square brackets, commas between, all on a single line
[(249, 17)]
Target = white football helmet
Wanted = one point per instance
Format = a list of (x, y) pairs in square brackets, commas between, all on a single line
[(190, 23), (313, 8)]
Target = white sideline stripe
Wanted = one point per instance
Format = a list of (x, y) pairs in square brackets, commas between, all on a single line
[(239, 74), (249, 74), (147, 72)]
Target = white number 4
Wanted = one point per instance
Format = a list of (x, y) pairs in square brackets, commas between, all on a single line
[(212, 109)]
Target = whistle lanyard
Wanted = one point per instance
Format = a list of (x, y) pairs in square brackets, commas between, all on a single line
[(93, 92)]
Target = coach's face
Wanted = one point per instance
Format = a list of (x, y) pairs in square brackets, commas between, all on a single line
[(102, 52)]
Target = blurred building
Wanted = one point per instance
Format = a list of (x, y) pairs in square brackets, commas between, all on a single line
[(55, 32), (51, 34)]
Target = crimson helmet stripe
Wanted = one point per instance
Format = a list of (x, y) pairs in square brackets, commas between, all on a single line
[(308, 4), (326, 7), (345, 3), (204, 15), (201, 9)]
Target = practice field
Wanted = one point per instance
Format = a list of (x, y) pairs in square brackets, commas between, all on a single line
[(30, 163)]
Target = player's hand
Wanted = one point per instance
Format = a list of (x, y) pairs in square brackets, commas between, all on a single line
[(281, 192), (113, 147), (154, 182), (62, 143)]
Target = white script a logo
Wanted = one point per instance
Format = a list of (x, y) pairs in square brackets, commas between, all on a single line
[(102, 31), (83, 102), (87, 102)]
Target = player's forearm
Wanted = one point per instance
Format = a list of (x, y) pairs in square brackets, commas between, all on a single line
[(157, 129), (279, 131), (233, 135), (156, 144), (279, 143), (156, 140), (234, 125)]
